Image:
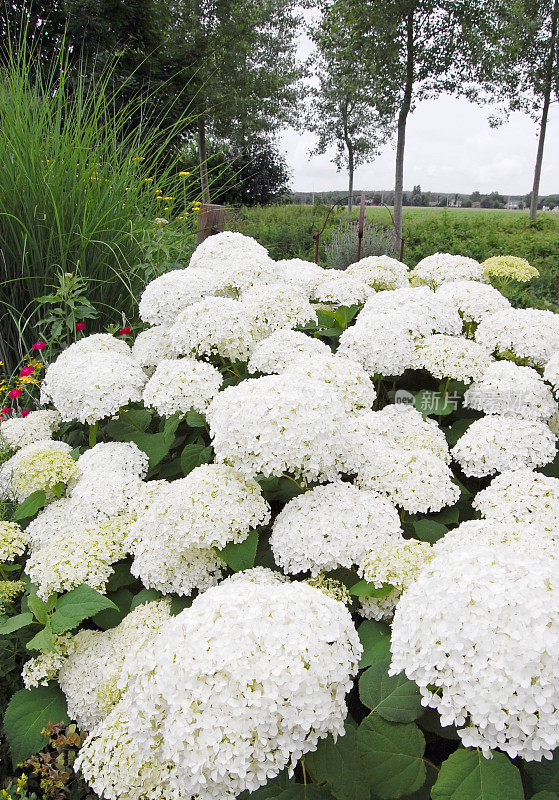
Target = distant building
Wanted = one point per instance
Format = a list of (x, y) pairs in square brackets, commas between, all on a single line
[(512, 204)]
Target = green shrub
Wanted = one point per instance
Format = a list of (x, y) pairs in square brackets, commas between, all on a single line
[(74, 182)]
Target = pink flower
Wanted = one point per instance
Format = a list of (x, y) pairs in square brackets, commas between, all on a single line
[(6, 411), (15, 393), (80, 326), (25, 412), (26, 371), (125, 331), (38, 345)]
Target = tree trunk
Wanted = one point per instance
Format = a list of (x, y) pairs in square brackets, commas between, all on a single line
[(545, 110), (351, 169), (202, 160), (401, 140)]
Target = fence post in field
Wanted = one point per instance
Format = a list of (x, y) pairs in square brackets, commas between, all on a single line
[(361, 226), (211, 219)]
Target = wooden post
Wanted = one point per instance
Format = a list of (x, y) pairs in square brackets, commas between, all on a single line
[(361, 228), (211, 219)]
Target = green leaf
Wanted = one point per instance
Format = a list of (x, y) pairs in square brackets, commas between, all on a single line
[(111, 617), (75, 606), (155, 446), (364, 589), (39, 608), (325, 317), (467, 775), (543, 775), (28, 712), (30, 506), (170, 426), (144, 596), (345, 314), (179, 603), (15, 623), (124, 427), (240, 556), (272, 789), (394, 697), (194, 455), (431, 403), (545, 795), (456, 430), (375, 638), (393, 756), (42, 641), (301, 792), (427, 530), (338, 765), (121, 576), (195, 420)]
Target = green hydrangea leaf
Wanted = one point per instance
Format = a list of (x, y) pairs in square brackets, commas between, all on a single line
[(28, 712), (394, 697), (392, 754), (467, 775)]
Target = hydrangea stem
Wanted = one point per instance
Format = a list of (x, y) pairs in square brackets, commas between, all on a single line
[(93, 434)]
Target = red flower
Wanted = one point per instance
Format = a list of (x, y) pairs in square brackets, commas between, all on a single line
[(6, 411), (26, 371), (125, 331), (80, 326), (38, 345), (15, 393), (25, 412)]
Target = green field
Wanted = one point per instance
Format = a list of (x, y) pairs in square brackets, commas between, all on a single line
[(479, 233)]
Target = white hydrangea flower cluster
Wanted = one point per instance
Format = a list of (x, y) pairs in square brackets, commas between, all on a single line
[(13, 541), (251, 677), (397, 563), (16, 432), (521, 496), (152, 346), (452, 357), (439, 268), (489, 659), (215, 326), (41, 465), (95, 662), (237, 261), (383, 343), (304, 274), (425, 311), (170, 294), (212, 506), (122, 457), (180, 385), (292, 427), (276, 305), (398, 454), (527, 333), (496, 444), (284, 347), (43, 668), (342, 288), (331, 526), (346, 376), (380, 272), (472, 299), (91, 380), (510, 390), (78, 555), (530, 536)]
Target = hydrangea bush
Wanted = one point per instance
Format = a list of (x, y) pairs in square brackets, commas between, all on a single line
[(298, 541)]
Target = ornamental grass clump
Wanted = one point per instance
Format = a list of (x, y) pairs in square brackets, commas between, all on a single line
[(286, 546)]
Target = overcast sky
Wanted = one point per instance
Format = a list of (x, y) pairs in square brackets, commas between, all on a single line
[(450, 147)]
